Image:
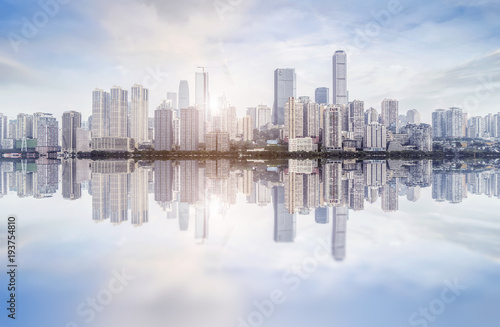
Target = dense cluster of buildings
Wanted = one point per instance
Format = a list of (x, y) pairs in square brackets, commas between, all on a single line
[(120, 121), (185, 189)]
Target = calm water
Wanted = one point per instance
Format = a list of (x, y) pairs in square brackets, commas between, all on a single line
[(187, 243)]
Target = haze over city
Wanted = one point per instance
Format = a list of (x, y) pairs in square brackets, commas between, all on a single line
[(428, 55)]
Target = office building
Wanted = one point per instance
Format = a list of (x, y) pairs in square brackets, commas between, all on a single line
[(183, 95), (202, 102), (189, 129), (389, 116), (332, 128), (321, 95), (284, 89), (71, 121), (163, 130), (340, 78), (139, 100)]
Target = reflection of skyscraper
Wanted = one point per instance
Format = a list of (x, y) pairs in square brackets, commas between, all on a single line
[(284, 222), (46, 178), (340, 215), (139, 196), (71, 189), (163, 176), (189, 181), (183, 216), (390, 200), (332, 175), (321, 215), (110, 190)]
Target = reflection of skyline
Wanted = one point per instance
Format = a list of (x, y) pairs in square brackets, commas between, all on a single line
[(191, 190)]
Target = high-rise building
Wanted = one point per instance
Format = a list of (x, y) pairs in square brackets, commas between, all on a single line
[(202, 102), (71, 121), (420, 136), (4, 127), (172, 96), (413, 116), (321, 95), (340, 78), (183, 95), (247, 128), (189, 129), (264, 115), (439, 123), (47, 134), (139, 99), (163, 130), (356, 121), (294, 119), (100, 113), (25, 126), (284, 89), (389, 115), (311, 120), (232, 122), (252, 112), (454, 123), (371, 116), (375, 138), (118, 112), (332, 128)]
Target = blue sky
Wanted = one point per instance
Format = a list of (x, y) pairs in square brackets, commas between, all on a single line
[(427, 54)]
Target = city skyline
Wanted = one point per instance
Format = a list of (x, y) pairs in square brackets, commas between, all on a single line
[(404, 77)]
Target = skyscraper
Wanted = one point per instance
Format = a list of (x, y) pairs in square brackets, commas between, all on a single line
[(413, 116), (202, 102), (139, 118), (294, 119), (375, 138), (100, 113), (189, 129), (183, 95), (356, 119), (247, 128), (284, 89), (118, 112), (172, 96), (164, 136), (454, 123), (389, 116), (340, 77), (47, 134), (321, 95), (71, 120), (332, 128), (264, 115), (371, 116), (439, 123)]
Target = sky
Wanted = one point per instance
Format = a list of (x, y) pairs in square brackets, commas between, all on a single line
[(426, 54)]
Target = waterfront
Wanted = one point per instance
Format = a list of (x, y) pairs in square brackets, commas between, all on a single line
[(190, 243)]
